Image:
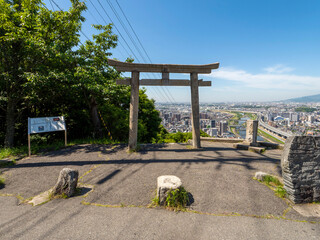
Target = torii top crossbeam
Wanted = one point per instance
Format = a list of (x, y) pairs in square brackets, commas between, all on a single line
[(165, 69), (171, 68)]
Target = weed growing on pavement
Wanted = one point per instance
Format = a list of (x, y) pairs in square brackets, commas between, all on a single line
[(155, 201), (64, 196), (274, 184), (55, 196), (271, 181), (280, 192), (177, 198)]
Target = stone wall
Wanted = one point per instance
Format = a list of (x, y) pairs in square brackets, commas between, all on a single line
[(300, 164)]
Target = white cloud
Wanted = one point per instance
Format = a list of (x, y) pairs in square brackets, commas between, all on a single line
[(279, 68), (268, 80)]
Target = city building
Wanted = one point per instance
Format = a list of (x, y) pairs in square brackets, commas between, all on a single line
[(311, 118), (213, 132), (223, 127), (294, 117), (213, 123)]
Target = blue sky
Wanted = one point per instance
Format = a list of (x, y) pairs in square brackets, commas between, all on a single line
[(268, 50)]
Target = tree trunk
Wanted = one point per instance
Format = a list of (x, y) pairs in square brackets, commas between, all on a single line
[(10, 123), (95, 117)]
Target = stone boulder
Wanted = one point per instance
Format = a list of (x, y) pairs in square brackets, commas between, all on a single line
[(166, 183), (67, 182)]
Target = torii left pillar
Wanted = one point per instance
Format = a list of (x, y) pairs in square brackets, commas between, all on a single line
[(134, 108)]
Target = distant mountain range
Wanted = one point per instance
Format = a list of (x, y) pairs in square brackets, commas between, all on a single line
[(313, 98)]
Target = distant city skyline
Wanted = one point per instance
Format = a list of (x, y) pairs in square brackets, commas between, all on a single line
[(268, 50)]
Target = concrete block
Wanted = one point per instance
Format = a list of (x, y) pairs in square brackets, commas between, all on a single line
[(269, 145), (241, 146), (257, 149), (166, 183)]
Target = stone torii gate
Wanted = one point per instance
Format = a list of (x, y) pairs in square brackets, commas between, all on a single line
[(165, 69)]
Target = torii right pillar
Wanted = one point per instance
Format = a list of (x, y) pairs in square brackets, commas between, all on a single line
[(195, 110)]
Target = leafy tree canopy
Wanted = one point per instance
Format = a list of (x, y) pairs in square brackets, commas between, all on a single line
[(45, 72)]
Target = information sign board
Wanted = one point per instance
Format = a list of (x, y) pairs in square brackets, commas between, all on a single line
[(46, 124)]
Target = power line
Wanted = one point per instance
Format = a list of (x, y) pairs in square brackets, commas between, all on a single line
[(52, 5), (167, 95), (125, 29), (107, 24), (122, 35), (118, 30), (56, 5), (133, 30), (138, 41), (120, 42)]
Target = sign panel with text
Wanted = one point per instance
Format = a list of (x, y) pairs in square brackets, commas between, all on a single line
[(46, 124)]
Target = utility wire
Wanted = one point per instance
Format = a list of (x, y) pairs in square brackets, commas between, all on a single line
[(118, 30), (125, 29), (121, 34), (137, 39), (135, 45), (113, 9), (52, 5), (118, 40), (107, 24), (133, 30)]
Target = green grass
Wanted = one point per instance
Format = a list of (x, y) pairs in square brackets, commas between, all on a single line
[(178, 137), (280, 192), (273, 183), (155, 201), (237, 115), (268, 136), (13, 152), (39, 145), (2, 180), (252, 116)]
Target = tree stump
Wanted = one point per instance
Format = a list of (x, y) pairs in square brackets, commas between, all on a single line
[(67, 182)]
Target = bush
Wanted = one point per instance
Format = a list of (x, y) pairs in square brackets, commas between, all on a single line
[(179, 137)]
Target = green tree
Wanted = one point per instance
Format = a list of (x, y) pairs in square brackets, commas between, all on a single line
[(149, 118), (93, 75), (44, 72), (35, 49)]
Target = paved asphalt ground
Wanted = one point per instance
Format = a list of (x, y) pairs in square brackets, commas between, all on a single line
[(227, 202)]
